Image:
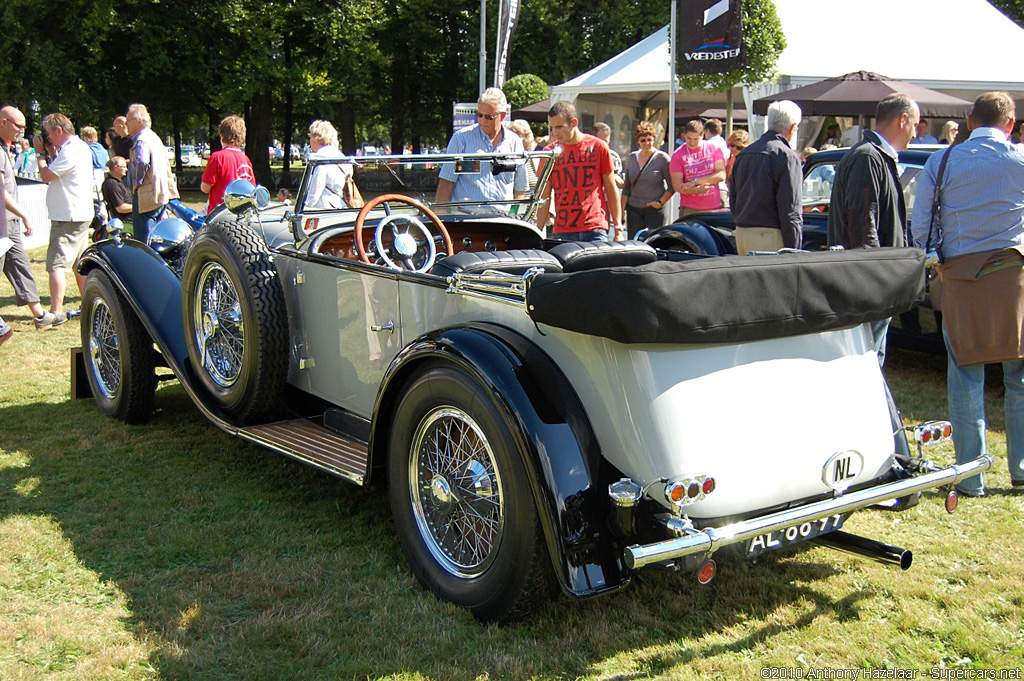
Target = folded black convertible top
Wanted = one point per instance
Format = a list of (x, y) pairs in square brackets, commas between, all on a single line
[(731, 299)]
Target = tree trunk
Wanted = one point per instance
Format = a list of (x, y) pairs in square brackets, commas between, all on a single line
[(176, 125), (347, 127), (257, 137), (213, 129), (286, 178)]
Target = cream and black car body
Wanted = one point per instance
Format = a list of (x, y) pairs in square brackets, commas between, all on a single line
[(540, 412)]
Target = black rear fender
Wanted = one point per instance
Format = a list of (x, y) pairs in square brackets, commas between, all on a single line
[(553, 437)]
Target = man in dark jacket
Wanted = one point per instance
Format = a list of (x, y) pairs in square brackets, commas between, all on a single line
[(867, 207), (766, 186)]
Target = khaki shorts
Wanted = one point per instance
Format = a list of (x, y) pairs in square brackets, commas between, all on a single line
[(758, 239), (67, 241)]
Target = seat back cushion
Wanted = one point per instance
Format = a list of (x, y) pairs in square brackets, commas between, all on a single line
[(577, 256), (515, 261)]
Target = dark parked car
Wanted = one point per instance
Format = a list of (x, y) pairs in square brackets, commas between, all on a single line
[(711, 233)]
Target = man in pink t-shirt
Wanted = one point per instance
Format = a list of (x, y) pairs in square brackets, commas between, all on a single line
[(697, 167), (228, 164)]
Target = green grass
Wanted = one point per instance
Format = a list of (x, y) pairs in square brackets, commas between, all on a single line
[(171, 551)]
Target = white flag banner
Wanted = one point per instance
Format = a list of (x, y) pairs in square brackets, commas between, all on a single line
[(508, 17)]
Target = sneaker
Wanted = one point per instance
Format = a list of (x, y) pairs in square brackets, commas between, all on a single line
[(59, 319), (6, 336), (45, 321), (1017, 485)]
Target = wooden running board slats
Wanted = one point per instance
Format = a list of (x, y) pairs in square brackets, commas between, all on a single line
[(312, 443)]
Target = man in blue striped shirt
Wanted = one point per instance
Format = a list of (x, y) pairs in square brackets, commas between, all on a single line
[(487, 136), (981, 212)]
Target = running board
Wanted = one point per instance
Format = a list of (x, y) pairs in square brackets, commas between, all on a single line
[(311, 443)]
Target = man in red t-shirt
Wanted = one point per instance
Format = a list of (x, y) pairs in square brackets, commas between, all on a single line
[(228, 164), (583, 182)]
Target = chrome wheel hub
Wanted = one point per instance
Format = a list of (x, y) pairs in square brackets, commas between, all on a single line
[(219, 325), (455, 490)]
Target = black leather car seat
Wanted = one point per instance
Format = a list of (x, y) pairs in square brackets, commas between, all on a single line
[(515, 261), (576, 256)]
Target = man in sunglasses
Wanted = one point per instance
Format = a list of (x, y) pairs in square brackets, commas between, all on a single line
[(15, 261), (487, 136)]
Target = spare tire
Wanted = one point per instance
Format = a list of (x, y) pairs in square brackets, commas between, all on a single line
[(235, 320)]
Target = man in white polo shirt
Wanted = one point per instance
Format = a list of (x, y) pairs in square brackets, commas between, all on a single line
[(68, 200)]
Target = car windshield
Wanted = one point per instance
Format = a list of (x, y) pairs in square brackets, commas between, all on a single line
[(417, 176), (819, 180)]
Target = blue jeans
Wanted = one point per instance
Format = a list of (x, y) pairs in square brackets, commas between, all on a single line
[(879, 331), (591, 235), (966, 390), (142, 223)]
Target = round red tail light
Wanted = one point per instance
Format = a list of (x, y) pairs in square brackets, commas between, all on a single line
[(706, 572), (926, 436), (675, 492), (709, 485), (952, 499), (947, 430)]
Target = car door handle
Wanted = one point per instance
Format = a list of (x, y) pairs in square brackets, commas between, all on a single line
[(389, 327)]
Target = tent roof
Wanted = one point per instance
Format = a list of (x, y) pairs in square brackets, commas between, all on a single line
[(641, 68), (922, 41)]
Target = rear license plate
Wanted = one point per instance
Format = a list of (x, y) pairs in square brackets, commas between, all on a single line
[(793, 535)]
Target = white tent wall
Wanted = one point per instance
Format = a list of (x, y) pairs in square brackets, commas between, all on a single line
[(960, 47)]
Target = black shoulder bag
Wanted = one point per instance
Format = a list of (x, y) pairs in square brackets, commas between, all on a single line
[(933, 254)]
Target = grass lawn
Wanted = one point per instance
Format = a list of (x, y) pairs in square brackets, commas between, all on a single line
[(171, 551)]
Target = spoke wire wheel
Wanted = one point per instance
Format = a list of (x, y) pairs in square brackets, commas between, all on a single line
[(219, 324), (456, 492), (104, 349), (461, 497), (235, 319), (117, 352)]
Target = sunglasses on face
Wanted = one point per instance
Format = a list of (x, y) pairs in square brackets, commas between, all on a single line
[(489, 117)]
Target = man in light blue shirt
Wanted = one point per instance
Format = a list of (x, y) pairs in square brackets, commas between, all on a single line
[(487, 136), (981, 211), (922, 136)]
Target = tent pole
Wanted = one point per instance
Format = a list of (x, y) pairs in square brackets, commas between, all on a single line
[(673, 210), (728, 112), (483, 46)]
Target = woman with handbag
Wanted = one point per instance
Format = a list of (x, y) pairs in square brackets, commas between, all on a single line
[(648, 183)]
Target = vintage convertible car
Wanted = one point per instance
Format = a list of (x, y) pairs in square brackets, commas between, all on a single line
[(711, 233), (538, 411)]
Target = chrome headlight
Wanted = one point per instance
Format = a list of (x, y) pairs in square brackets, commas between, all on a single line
[(242, 195), (169, 234)]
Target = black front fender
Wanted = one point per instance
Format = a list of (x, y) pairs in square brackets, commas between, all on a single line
[(154, 292), (553, 437)]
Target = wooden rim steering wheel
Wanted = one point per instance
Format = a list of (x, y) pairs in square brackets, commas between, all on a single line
[(399, 198)]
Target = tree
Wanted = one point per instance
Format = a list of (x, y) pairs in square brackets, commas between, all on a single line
[(524, 89), (1011, 8)]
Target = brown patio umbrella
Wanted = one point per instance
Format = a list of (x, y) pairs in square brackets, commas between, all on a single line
[(534, 113), (857, 94)]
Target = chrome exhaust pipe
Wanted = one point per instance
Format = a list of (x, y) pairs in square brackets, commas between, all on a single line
[(866, 548)]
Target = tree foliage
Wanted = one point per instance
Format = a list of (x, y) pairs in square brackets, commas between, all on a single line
[(381, 70), (524, 89), (1011, 8)]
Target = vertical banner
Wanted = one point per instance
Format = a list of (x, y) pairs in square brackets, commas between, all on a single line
[(508, 17), (710, 37)]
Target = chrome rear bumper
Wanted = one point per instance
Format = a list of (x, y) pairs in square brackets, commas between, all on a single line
[(710, 539)]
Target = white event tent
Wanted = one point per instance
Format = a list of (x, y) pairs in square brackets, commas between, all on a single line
[(961, 47)]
